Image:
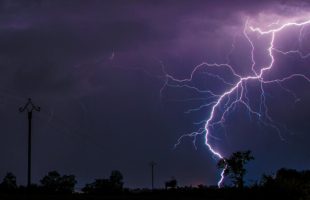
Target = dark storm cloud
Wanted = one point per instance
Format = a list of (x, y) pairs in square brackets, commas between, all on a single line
[(71, 33), (79, 60), (37, 34)]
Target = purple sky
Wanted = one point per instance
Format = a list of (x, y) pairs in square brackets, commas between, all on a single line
[(95, 68)]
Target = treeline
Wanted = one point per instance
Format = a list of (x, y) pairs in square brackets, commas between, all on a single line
[(54, 183), (286, 183)]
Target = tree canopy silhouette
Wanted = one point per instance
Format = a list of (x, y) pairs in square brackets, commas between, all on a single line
[(116, 178), (9, 183), (234, 166), (112, 185), (171, 184), (53, 182), (292, 183)]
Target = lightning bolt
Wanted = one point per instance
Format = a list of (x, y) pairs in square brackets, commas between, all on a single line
[(220, 104)]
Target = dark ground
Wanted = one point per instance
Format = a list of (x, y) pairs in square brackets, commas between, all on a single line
[(189, 193)]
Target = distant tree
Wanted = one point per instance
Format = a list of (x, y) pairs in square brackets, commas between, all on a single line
[(112, 185), (9, 182), (234, 166), (116, 179), (201, 186), (290, 182), (50, 182), (267, 180), (100, 186), (53, 182), (67, 184), (171, 184), (287, 178)]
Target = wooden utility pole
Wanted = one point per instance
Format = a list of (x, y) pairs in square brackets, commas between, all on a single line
[(29, 106), (152, 164)]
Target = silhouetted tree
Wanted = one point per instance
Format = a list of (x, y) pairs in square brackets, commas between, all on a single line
[(112, 185), (100, 186), (171, 183), (290, 182), (67, 183), (53, 182), (116, 179), (267, 181), (234, 166), (50, 181), (9, 183)]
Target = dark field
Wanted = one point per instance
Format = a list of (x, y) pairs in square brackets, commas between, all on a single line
[(180, 193)]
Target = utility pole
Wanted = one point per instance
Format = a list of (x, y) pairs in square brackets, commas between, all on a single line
[(29, 106), (152, 164)]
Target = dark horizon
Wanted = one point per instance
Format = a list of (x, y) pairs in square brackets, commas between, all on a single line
[(101, 71)]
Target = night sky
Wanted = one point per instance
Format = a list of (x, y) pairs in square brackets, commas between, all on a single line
[(98, 71)]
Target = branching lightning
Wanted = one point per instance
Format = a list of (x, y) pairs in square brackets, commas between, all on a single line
[(220, 105)]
